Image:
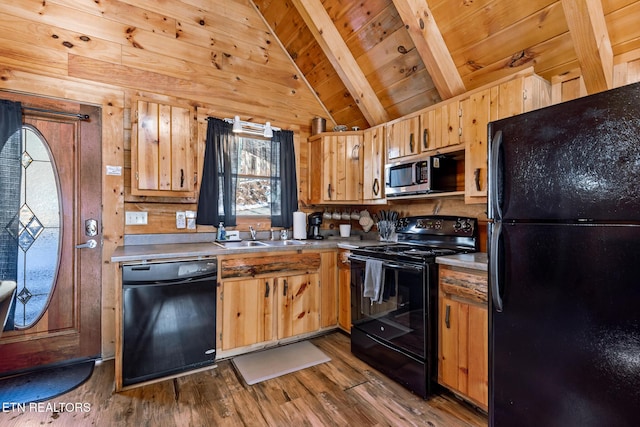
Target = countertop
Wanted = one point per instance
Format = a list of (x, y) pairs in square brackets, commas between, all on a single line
[(476, 261), (141, 253)]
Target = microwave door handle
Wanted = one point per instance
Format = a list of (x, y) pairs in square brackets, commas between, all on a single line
[(414, 173)]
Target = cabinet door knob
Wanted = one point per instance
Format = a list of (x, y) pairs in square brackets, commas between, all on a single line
[(411, 143), (329, 191), (425, 139), (285, 288), (376, 187), (181, 178), (267, 289), (476, 177)]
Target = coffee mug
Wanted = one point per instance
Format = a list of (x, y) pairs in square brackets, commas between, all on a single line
[(345, 230)]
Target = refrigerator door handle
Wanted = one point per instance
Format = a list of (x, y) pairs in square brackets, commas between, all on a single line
[(493, 267), (494, 205)]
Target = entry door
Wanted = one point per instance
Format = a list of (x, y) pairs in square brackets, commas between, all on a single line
[(68, 325)]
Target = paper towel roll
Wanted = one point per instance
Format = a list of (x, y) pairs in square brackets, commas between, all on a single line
[(299, 225)]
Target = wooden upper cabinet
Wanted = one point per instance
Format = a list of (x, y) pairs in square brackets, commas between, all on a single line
[(163, 149), (373, 164), (403, 138), (444, 125), (475, 117), (516, 96), (335, 167)]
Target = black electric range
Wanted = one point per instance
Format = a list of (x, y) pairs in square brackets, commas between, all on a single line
[(394, 297)]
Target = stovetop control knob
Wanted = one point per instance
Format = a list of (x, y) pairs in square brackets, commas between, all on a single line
[(463, 225)]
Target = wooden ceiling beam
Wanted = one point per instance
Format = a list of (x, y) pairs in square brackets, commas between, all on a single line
[(431, 46), (320, 24), (588, 30)]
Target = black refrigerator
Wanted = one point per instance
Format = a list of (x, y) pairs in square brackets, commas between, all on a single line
[(564, 264)]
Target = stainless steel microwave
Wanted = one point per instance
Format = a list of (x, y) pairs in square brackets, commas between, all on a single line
[(428, 175)]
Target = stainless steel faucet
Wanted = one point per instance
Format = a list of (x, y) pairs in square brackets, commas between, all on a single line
[(253, 233)]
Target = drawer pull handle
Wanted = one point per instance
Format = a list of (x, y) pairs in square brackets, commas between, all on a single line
[(447, 317)]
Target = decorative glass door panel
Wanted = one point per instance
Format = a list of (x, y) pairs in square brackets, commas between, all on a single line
[(38, 229)]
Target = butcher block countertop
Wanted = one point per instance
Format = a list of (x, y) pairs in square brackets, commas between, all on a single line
[(474, 261)]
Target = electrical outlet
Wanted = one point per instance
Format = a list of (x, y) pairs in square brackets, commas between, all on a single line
[(135, 218), (191, 220), (181, 220)]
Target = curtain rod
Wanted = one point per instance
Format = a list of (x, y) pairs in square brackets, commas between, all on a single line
[(60, 113), (245, 123)]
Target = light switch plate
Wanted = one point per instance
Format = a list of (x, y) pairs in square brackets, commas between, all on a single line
[(135, 218), (181, 220)]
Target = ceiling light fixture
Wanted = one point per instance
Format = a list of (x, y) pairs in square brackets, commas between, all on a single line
[(237, 126), (251, 128), (268, 132)]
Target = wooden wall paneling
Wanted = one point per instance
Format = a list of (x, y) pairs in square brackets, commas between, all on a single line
[(353, 16), (54, 40), (379, 21), (622, 25), (28, 57), (521, 35), (428, 40), (68, 18), (250, 101), (334, 47), (129, 14), (489, 19)]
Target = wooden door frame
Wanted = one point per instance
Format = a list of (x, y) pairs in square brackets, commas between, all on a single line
[(25, 353)]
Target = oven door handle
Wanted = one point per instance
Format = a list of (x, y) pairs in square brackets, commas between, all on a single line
[(405, 266), (388, 264), (384, 344)]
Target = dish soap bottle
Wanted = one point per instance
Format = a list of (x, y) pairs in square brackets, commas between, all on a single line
[(222, 233)]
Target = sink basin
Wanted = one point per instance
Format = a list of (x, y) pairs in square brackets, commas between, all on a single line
[(286, 243), (242, 244)]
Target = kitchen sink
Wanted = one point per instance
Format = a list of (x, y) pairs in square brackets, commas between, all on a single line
[(242, 244), (259, 244), (286, 243)]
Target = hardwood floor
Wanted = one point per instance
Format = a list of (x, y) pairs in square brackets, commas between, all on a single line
[(342, 392)]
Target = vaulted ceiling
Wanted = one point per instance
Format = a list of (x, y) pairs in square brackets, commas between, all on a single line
[(372, 61)]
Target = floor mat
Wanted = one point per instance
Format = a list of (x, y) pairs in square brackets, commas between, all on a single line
[(44, 384), (267, 364)]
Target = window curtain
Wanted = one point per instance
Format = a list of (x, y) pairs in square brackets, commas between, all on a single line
[(217, 200), (10, 177), (284, 189)]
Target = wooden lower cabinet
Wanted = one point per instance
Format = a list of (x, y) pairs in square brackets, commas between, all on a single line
[(463, 334), (247, 312), (257, 304), (298, 304)]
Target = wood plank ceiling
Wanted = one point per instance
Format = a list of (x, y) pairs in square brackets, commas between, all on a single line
[(376, 60)]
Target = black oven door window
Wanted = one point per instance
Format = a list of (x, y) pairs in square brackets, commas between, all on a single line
[(401, 316)]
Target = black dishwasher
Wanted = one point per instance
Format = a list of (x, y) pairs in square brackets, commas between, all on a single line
[(169, 318)]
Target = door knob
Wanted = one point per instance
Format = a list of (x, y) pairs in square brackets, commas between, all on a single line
[(91, 243)]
